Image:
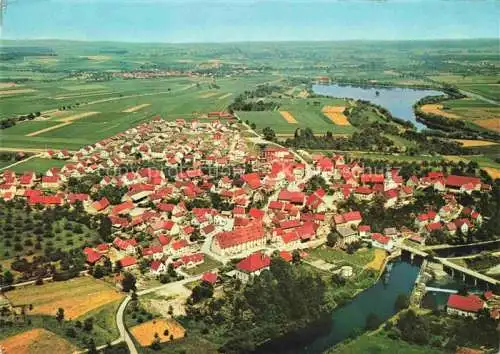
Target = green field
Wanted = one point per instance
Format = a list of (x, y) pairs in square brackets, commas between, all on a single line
[(381, 344), (37, 165), (306, 112), (170, 98)]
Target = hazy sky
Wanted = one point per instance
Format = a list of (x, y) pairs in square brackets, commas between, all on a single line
[(250, 20)]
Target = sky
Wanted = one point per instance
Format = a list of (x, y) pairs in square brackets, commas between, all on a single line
[(177, 21)]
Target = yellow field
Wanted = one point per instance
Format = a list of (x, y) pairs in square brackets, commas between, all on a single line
[(36, 341), (76, 296), (493, 172), (470, 143), (13, 92), (136, 108), (8, 85), (97, 57), (490, 123), (288, 117), (208, 94), (438, 110), (225, 96), (336, 114), (378, 261), (144, 333), (65, 121)]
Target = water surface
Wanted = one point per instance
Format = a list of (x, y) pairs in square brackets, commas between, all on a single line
[(399, 101)]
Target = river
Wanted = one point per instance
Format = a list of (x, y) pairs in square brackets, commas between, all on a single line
[(350, 319), (397, 100)]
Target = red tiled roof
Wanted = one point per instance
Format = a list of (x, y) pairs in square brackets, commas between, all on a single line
[(471, 303), (380, 238), (459, 181), (252, 232), (256, 213), (252, 179), (254, 262), (164, 240), (287, 256), (123, 207), (433, 226), (209, 277), (128, 261), (101, 204), (45, 199), (294, 197), (177, 245), (352, 216), (73, 197), (155, 265), (123, 244)]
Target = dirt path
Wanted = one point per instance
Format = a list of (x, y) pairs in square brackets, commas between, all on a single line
[(65, 121), (136, 108), (19, 162)]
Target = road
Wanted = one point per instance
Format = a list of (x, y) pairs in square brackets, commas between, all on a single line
[(174, 287), (19, 162), (479, 97)]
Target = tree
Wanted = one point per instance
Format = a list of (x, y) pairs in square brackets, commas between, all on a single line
[(296, 257), (202, 291), (402, 302), (105, 228), (91, 348), (98, 272), (155, 345), (463, 291), (71, 332), (269, 134), (331, 239), (8, 278), (88, 324), (60, 314), (128, 282)]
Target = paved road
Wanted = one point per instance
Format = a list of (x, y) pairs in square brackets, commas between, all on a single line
[(479, 97), (122, 329)]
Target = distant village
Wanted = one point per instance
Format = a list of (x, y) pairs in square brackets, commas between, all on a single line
[(211, 193)]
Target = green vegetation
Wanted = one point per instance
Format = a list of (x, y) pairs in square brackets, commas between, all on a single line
[(381, 344), (444, 332), (26, 231), (104, 320), (37, 165), (244, 317), (207, 265)]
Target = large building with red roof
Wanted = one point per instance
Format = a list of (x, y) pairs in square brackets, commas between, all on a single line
[(466, 306), (240, 239), (252, 265)]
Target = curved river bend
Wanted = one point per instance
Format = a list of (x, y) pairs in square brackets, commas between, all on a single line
[(350, 319), (397, 100)]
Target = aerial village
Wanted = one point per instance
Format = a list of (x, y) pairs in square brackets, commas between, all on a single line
[(218, 195)]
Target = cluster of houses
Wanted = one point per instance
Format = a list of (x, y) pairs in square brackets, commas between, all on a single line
[(210, 192)]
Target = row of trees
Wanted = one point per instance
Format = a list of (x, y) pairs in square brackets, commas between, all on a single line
[(10, 122)]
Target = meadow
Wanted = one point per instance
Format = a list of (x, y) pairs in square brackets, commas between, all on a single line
[(37, 165), (36, 341), (170, 98), (77, 296), (306, 112)]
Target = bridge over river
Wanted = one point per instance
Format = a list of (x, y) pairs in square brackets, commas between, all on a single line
[(453, 267), (440, 290)]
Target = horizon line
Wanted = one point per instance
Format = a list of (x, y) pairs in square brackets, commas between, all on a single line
[(254, 41)]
